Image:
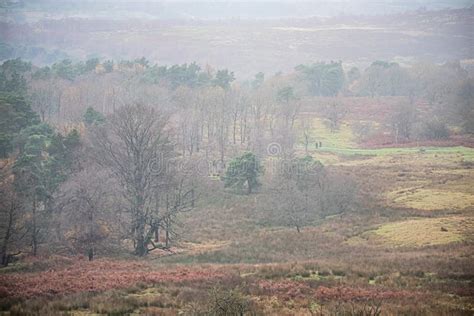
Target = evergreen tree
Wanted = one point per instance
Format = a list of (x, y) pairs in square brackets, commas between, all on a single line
[(44, 161), (93, 117), (243, 171), (323, 79), (15, 114)]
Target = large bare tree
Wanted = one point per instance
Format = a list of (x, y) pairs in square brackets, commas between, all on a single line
[(134, 146)]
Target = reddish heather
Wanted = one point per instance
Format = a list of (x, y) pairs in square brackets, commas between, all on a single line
[(96, 276), (348, 294), (288, 289)]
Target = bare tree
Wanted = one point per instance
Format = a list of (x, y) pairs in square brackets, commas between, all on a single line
[(134, 146), (334, 113), (180, 197), (303, 191), (306, 126), (86, 197), (296, 192), (44, 98), (402, 121)]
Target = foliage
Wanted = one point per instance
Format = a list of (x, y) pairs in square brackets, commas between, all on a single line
[(223, 302), (362, 130), (108, 274), (464, 105), (258, 80), (42, 73), (243, 171), (434, 129), (68, 70), (285, 95), (12, 79), (92, 116), (65, 69), (223, 78), (108, 65), (91, 64), (177, 75), (43, 163), (334, 114), (353, 75), (402, 121), (323, 79), (15, 114), (384, 79)]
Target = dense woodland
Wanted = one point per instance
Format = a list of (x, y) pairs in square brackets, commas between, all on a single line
[(100, 158)]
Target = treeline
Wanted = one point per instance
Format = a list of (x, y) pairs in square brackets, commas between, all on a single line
[(445, 87), (102, 156)]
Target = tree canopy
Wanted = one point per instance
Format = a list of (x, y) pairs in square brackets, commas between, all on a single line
[(243, 171)]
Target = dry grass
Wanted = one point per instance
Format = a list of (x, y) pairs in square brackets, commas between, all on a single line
[(427, 231), (431, 199)]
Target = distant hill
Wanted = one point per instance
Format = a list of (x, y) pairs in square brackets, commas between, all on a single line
[(222, 9)]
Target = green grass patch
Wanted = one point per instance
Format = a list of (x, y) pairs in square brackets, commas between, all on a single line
[(319, 132)]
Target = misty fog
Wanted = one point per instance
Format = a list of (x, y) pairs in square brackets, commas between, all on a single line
[(226, 157)]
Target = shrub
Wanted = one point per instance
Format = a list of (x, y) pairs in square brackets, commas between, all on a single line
[(362, 130), (434, 130), (229, 302)]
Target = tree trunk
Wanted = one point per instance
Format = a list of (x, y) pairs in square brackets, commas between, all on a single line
[(167, 224), (4, 258), (140, 248), (6, 239), (157, 233), (34, 237), (91, 230), (167, 235), (234, 131), (140, 243)]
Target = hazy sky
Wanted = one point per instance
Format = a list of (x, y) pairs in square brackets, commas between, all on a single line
[(221, 9)]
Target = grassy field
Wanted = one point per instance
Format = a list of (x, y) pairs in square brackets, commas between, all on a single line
[(420, 232)]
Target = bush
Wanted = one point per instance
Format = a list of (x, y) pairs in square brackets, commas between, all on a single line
[(362, 130), (229, 302), (434, 130)]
